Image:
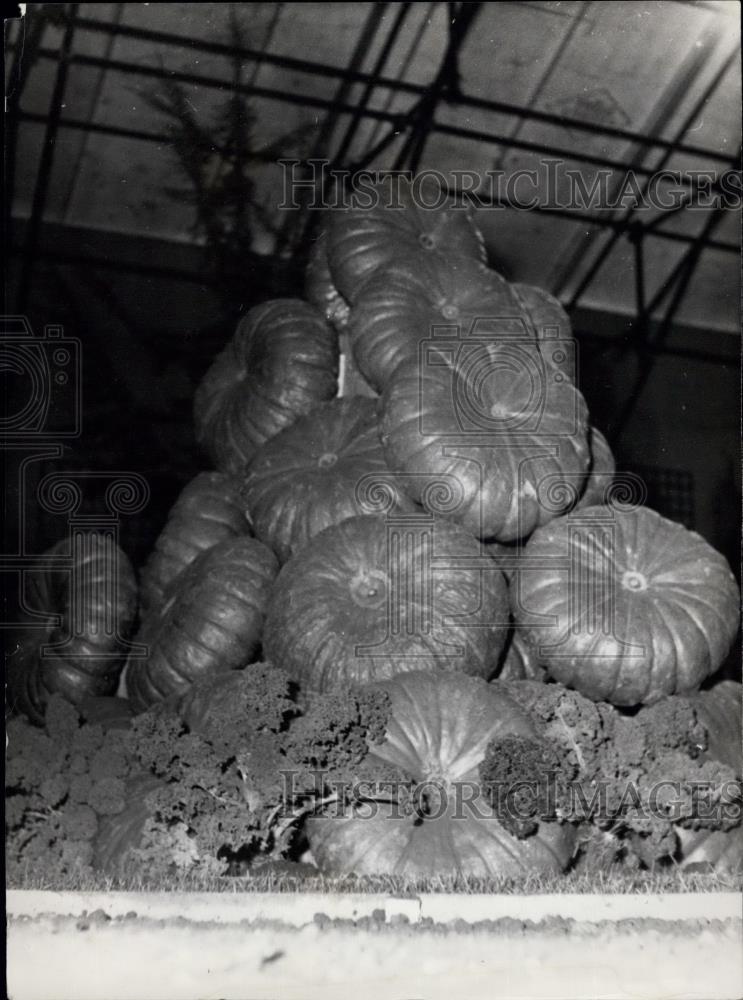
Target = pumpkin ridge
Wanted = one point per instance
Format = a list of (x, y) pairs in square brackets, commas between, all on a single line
[(664, 606), (405, 854), (614, 560), (624, 676), (206, 633), (680, 589), (504, 840), (473, 754), (681, 607), (474, 848), (448, 832), (388, 833), (654, 675), (416, 732), (648, 541), (398, 746)]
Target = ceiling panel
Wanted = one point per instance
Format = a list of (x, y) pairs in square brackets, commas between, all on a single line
[(638, 67)]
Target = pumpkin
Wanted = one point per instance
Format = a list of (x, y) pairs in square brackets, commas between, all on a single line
[(718, 850), (720, 710), (281, 362), (326, 467), (438, 732), (211, 622), (319, 288), (397, 225), (81, 602), (600, 479), (400, 308), (519, 661), (372, 597), (208, 510), (489, 435), (624, 605), (505, 556), (549, 323)]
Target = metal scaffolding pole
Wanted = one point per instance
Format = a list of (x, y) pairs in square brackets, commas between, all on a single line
[(381, 61), (402, 86), (447, 82), (648, 350), (628, 217)]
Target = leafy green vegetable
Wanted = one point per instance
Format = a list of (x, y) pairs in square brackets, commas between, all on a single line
[(209, 782), (631, 780)]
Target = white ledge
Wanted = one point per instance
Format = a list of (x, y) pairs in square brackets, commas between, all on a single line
[(299, 908), (185, 946)]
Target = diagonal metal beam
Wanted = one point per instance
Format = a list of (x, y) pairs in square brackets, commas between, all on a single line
[(418, 121), (629, 215), (604, 220), (395, 85), (424, 22), (24, 57), (647, 354), (296, 230), (461, 18), (396, 119), (363, 102), (363, 44)]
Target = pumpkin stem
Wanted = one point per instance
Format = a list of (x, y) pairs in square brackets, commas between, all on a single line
[(633, 580)]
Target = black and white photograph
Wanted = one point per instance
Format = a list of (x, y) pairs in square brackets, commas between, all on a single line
[(371, 428)]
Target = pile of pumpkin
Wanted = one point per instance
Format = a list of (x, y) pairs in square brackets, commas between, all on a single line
[(458, 518)]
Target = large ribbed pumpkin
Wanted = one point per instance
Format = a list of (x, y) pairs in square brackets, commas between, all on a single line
[(208, 510), (439, 730), (404, 306), (501, 434), (397, 220), (319, 288), (372, 597), (212, 621), (326, 467), (281, 362), (83, 601), (624, 605)]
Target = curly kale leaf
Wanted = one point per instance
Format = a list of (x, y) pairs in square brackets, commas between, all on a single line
[(239, 777), (59, 781), (232, 769), (525, 780), (637, 777)]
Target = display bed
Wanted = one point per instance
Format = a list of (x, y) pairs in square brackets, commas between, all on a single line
[(265, 944)]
